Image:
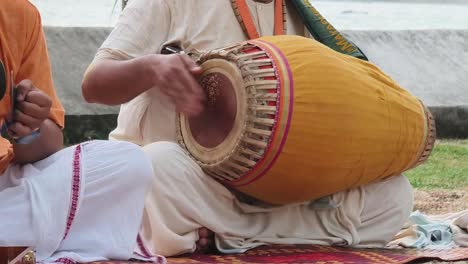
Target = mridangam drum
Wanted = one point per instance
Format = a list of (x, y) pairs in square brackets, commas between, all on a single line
[(290, 120)]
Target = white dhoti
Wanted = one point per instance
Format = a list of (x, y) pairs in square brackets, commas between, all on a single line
[(83, 203), (183, 199)]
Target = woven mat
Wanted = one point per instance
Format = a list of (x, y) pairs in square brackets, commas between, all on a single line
[(322, 255)]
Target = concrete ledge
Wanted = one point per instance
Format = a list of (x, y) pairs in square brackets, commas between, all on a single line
[(71, 50), (451, 122), (431, 64), (87, 127)]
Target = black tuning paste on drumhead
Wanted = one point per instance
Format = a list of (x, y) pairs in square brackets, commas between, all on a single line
[(3, 80)]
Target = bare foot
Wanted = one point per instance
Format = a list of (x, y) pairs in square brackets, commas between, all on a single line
[(205, 243)]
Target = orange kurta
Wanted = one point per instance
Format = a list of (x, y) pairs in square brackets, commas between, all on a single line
[(23, 51)]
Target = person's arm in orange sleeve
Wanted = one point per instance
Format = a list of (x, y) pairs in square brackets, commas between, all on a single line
[(37, 104)]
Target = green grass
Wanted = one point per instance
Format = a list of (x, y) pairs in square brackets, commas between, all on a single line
[(447, 167)]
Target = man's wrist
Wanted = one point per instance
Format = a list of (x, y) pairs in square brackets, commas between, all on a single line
[(145, 68), (28, 139)]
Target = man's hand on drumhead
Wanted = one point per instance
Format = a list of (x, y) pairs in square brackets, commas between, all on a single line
[(175, 76)]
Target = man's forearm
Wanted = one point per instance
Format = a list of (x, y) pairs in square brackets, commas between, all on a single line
[(49, 141), (113, 82)]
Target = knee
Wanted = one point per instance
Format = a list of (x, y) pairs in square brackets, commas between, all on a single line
[(387, 206), (171, 163), (398, 197), (136, 168), (403, 196), (163, 152)]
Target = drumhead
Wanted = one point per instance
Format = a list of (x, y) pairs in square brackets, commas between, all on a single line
[(213, 136)]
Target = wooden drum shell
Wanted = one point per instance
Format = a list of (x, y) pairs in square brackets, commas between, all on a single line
[(313, 122)]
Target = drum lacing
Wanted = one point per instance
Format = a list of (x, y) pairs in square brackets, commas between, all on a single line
[(257, 130)]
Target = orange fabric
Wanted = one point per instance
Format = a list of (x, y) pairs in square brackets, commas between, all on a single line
[(247, 19), (252, 31), (279, 17), (23, 50)]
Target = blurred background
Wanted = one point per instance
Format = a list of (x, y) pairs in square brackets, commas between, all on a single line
[(343, 14)]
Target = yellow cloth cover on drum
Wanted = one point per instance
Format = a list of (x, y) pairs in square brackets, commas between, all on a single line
[(309, 121)]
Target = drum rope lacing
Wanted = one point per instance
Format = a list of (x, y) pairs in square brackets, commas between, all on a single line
[(257, 130)]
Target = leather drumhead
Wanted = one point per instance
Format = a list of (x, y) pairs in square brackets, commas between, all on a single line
[(212, 136)]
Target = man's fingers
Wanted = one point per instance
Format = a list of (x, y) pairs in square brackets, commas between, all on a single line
[(22, 89), (39, 98), (191, 85), (179, 83), (190, 64), (33, 110), (26, 120), (19, 130), (190, 81), (184, 101)]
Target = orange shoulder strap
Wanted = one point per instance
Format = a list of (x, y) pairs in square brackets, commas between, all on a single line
[(245, 18)]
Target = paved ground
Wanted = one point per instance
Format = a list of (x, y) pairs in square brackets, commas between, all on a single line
[(441, 201)]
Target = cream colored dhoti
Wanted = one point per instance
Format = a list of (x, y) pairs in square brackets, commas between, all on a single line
[(183, 199)]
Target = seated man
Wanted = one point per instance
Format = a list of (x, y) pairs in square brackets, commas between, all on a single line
[(81, 203), (183, 200)]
